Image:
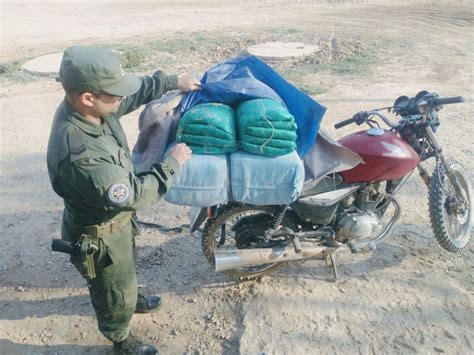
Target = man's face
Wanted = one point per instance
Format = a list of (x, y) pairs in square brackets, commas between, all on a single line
[(105, 104)]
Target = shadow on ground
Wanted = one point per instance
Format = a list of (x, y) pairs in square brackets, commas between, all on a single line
[(11, 348)]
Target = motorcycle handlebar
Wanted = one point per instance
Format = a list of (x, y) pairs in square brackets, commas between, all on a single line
[(344, 123), (448, 100), (409, 107)]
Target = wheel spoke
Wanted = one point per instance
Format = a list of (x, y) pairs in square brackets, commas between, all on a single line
[(249, 233)]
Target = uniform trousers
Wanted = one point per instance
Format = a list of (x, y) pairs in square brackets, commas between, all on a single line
[(113, 291)]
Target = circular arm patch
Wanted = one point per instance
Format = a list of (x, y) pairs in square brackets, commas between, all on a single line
[(118, 193)]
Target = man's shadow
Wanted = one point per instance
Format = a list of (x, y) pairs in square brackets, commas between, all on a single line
[(66, 306), (176, 266), (10, 348)]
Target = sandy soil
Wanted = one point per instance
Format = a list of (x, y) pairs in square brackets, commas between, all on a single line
[(408, 296)]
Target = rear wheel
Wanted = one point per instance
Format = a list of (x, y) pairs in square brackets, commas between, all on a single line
[(238, 227), (451, 215)]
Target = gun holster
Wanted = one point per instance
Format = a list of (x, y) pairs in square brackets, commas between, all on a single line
[(83, 251)]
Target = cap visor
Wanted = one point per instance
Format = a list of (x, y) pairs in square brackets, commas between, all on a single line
[(126, 87)]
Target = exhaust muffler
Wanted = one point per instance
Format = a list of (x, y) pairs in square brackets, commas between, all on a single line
[(234, 259)]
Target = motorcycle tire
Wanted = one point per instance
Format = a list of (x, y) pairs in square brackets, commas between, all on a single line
[(229, 215), (451, 226)]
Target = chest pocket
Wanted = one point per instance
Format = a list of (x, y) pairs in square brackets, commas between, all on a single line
[(123, 159)]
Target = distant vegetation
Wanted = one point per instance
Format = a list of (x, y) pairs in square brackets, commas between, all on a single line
[(199, 51)]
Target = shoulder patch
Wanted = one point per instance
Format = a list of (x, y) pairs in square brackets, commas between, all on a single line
[(118, 193), (77, 146)]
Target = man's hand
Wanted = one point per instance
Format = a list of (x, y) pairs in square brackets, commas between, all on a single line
[(181, 152), (188, 83)]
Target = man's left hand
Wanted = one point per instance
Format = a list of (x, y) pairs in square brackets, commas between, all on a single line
[(188, 83)]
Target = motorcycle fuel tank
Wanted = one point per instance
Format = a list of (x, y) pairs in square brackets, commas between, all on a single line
[(386, 156)]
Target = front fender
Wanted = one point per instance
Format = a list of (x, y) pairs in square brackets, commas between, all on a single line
[(197, 215)]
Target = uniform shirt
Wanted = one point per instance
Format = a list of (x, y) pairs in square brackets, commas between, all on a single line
[(90, 165)]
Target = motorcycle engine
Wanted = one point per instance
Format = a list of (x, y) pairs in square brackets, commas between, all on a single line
[(359, 225)]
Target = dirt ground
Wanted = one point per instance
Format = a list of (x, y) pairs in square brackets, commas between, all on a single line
[(408, 296)]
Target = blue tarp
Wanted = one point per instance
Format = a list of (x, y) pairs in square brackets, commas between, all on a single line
[(247, 78)]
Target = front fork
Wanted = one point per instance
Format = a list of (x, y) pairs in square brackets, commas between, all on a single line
[(441, 158), (425, 176)]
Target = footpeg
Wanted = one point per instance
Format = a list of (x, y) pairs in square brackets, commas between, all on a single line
[(368, 246), (352, 247)]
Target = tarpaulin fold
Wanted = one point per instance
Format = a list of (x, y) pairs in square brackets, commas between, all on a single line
[(246, 78)]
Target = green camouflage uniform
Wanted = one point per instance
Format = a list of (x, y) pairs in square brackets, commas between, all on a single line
[(90, 167)]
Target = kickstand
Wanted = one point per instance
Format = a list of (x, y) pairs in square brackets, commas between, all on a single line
[(331, 258)]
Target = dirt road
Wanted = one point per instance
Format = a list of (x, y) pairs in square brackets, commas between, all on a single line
[(408, 296)]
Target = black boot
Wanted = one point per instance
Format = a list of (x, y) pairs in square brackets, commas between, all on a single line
[(147, 304), (132, 345)]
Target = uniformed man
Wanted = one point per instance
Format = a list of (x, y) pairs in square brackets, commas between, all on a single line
[(90, 167)]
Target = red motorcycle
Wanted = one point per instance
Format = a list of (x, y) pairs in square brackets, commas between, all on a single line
[(356, 208)]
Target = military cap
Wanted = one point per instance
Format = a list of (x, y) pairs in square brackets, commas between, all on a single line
[(96, 69)]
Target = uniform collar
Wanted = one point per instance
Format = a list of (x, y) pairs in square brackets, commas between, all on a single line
[(82, 123)]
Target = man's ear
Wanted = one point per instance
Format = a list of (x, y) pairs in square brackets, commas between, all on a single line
[(87, 99)]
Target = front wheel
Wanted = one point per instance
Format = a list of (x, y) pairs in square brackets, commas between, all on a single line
[(451, 215)]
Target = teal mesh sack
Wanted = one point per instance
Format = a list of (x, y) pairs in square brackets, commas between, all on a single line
[(266, 127), (208, 129)]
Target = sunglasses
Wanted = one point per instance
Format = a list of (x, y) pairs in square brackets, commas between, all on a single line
[(98, 93)]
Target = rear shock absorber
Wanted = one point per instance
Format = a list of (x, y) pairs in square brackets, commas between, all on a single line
[(276, 222)]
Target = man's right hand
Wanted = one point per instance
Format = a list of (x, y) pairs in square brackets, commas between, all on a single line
[(181, 152), (188, 83)]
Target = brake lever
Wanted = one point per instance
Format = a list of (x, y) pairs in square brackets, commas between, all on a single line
[(424, 109), (373, 123)]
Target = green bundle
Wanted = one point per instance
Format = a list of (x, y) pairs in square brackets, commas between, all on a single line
[(208, 129), (266, 127)]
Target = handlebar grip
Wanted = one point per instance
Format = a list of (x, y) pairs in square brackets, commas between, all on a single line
[(448, 100), (344, 123)]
